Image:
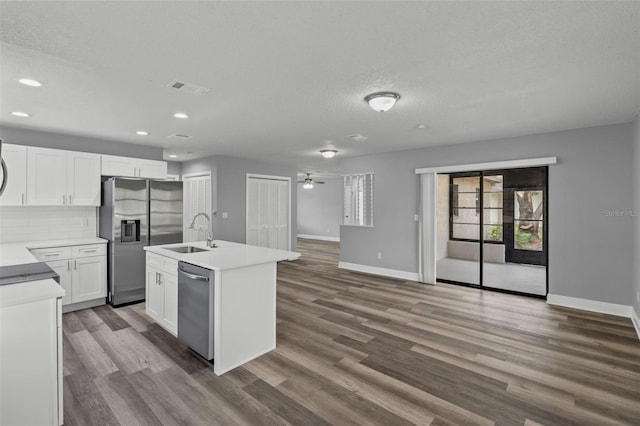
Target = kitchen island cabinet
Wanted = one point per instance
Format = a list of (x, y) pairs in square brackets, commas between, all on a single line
[(244, 288)]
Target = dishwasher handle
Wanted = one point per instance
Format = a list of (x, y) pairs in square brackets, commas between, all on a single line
[(193, 276)]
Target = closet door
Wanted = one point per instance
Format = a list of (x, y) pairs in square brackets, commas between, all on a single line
[(268, 212)]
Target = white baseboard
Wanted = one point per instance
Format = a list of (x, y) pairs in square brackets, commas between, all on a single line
[(319, 237), (635, 319), (590, 305), (393, 273)]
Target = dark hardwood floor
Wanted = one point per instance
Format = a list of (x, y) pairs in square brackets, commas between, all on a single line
[(361, 349)]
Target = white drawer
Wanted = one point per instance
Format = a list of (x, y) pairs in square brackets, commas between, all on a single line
[(52, 253), (88, 250), (170, 266)]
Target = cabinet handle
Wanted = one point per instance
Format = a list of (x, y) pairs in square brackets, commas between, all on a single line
[(68, 265), (156, 278), (52, 254), (75, 264), (90, 251), (69, 198), (22, 198), (64, 199)]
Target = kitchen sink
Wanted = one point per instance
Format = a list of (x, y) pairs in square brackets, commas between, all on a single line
[(185, 249)]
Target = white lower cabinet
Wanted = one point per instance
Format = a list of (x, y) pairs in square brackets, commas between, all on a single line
[(162, 291), (82, 270)]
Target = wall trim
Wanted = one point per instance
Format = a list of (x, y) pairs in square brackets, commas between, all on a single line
[(635, 319), (509, 164), (393, 273), (590, 305), (319, 237)]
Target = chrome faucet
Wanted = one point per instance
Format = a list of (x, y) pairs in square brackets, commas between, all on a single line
[(209, 233)]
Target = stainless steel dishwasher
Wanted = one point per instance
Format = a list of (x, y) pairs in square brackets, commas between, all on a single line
[(196, 308)]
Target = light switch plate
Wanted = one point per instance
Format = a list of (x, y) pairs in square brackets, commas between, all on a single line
[(225, 215)]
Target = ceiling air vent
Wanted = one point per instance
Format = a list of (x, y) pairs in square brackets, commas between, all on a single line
[(358, 137), (183, 86), (179, 136)]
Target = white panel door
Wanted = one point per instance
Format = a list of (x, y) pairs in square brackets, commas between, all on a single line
[(268, 212), (197, 199), (83, 179), (46, 177), (15, 157)]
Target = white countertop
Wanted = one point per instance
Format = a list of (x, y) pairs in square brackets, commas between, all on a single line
[(17, 254), (227, 255)]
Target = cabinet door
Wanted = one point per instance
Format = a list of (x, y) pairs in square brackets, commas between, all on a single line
[(63, 269), (89, 278), (15, 157), (155, 294), (83, 179), (113, 165), (152, 169), (170, 313), (46, 177)]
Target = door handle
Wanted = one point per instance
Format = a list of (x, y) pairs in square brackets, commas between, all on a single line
[(193, 276)]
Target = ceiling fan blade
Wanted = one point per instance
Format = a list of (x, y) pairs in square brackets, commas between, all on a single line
[(317, 181)]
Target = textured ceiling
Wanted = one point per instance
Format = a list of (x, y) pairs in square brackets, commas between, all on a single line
[(289, 78)]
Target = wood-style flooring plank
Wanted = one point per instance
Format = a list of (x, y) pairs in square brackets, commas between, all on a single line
[(354, 348)]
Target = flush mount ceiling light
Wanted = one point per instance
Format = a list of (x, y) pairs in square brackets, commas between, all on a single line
[(173, 156), (307, 185), (142, 133), (382, 101), (20, 114), (329, 153), (29, 82), (180, 115)]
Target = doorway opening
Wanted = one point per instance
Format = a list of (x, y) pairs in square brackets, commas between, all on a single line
[(491, 229)]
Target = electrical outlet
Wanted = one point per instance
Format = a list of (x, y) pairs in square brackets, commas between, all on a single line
[(416, 218), (225, 215), (379, 255)]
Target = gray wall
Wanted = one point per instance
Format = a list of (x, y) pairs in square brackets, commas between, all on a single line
[(636, 193), (19, 136), (590, 251), (229, 194), (320, 209), (174, 168)]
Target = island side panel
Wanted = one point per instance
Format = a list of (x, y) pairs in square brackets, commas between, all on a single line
[(245, 315)]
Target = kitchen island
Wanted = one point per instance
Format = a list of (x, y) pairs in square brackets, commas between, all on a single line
[(244, 295)]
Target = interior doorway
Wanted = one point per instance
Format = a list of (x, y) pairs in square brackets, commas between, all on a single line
[(269, 211), (491, 229), (197, 199)]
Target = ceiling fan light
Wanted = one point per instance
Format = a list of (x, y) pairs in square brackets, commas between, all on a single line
[(328, 153), (307, 185), (382, 101)]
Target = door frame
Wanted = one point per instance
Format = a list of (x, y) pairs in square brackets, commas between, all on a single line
[(428, 206), (246, 217)]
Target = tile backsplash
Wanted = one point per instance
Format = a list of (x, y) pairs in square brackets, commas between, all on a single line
[(47, 223)]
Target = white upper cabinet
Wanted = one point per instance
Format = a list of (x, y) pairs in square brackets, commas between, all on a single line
[(57, 177), (113, 165), (83, 179), (15, 157), (46, 177)]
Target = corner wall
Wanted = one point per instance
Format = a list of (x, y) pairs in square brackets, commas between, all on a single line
[(590, 246), (636, 193)]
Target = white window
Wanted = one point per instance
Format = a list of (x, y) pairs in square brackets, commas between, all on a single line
[(357, 208)]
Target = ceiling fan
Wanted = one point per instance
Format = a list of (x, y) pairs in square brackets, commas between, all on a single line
[(307, 183)]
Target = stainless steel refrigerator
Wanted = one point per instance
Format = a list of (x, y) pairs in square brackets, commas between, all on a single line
[(136, 213)]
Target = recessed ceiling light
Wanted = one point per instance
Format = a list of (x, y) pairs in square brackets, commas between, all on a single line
[(142, 133), (382, 101), (329, 153), (421, 126), (20, 114), (173, 156), (180, 115), (29, 82)]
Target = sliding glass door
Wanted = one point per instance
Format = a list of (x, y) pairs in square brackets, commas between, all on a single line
[(496, 229)]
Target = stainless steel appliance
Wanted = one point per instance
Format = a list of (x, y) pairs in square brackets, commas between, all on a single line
[(196, 308), (136, 213)]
